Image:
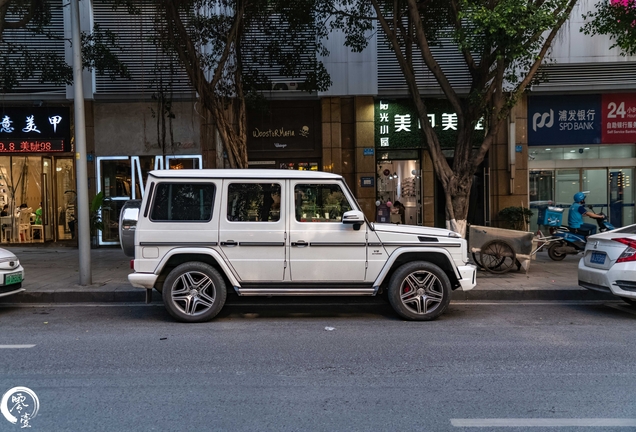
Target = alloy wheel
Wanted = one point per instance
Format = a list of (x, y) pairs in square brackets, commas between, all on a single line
[(193, 293), (421, 292)]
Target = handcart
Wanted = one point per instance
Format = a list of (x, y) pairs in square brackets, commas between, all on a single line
[(499, 250)]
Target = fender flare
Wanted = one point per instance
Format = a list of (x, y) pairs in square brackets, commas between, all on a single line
[(402, 250), (202, 251)]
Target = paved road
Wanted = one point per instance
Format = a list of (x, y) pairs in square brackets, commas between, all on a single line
[(131, 368)]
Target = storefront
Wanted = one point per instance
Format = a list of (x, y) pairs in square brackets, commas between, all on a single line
[(122, 178), (37, 174), (285, 135), (403, 172), (583, 143)]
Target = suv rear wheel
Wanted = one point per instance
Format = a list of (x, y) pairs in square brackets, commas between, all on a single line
[(419, 291), (194, 292)]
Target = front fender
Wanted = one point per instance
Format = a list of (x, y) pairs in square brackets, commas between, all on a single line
[(200, 251), (404, 250)]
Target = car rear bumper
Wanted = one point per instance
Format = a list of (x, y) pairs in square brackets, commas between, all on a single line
[(469, 277), (143, 280), (617, 280)]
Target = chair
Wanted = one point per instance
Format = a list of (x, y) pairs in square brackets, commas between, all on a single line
[(40, 230), (7, 228), (24, 227)]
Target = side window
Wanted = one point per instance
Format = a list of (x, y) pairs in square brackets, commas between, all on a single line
[(253, 202), (320, 203), (185, 202)]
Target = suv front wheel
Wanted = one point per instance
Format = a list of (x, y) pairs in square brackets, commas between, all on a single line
[(419, 291), (194, 292)]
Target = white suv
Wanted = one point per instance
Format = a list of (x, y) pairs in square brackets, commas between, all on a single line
[(279, 232)]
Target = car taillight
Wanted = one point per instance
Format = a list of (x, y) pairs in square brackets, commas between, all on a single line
[(132, 264), (628, 254)]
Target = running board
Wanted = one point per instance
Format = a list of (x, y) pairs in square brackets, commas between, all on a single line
[(306, 291)]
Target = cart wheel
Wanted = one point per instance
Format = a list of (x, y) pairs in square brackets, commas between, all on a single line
[(497, 256)]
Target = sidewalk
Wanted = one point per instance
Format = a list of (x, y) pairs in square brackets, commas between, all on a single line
[(52, 276)]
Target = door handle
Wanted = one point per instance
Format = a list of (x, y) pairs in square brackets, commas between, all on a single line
[(300, 243), (229, 243)]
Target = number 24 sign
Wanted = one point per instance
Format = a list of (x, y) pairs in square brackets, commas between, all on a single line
[(619, 118)]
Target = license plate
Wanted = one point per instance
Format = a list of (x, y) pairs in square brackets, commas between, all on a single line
[(598, 258), (13, 278)]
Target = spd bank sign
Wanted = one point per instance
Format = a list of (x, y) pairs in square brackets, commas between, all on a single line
[(554, 120)]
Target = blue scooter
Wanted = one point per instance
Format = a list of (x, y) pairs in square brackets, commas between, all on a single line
[(566, 242)]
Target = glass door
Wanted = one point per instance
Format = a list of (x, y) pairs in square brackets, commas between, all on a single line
[(621, 197), (66, 198), (595, 181)]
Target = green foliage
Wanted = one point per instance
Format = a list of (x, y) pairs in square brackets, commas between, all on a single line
[(97, 205), (618, 21), (26, 21), (517, 218), (293, 33)]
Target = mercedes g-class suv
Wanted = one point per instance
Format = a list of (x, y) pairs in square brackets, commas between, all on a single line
[(197, 233)]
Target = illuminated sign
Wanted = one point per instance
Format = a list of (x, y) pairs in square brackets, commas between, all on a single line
[(32, 146), (35, 130)]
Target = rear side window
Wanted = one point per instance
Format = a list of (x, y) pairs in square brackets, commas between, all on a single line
[(183, 202), (253, 202)]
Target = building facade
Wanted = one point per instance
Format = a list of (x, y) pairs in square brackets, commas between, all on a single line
[(576, 131)]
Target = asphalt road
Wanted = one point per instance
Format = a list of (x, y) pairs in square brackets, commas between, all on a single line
[(324, 368)]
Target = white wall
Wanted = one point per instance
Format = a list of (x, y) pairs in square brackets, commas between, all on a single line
[(352, 74), (572, 46)]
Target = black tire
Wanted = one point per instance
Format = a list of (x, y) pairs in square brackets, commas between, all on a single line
[(629, 301), (431, 297), (194, 292), (553, 254)]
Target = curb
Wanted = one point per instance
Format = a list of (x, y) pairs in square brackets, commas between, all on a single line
[(138, 296)]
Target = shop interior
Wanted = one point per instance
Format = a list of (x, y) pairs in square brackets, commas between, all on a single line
[(398, 181), (38, 198)]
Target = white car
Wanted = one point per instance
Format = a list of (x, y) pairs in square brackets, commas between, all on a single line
[(609, 263), (11, 274), (281, 232)]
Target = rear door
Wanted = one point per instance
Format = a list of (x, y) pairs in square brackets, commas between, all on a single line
[(252, 229)]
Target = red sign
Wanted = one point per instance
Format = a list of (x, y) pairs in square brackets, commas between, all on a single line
[(618, 123), (31, 146)]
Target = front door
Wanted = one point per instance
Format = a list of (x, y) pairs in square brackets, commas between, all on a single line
[(252, 229), (322, 248)]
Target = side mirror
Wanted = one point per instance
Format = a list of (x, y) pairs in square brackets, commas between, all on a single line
[(354, 217)]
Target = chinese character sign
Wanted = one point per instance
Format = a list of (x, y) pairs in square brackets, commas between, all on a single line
[(554, 120), (619, 118), (397, 124), (35, 129), (582, 119)]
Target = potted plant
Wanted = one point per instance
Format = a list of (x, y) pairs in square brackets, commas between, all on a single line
[(517, 218)]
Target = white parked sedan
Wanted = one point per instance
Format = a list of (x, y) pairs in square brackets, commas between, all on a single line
[(11, 274), (609, 263)]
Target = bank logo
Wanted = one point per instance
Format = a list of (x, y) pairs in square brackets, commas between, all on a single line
[(544, 119), (20, 404)]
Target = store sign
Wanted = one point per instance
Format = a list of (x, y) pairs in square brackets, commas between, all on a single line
[(619, 118), (285, 127), (397, 124), (582, 119), (564, 120), (34, 130)]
